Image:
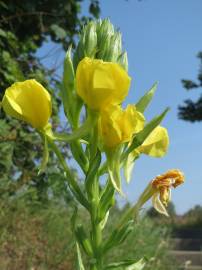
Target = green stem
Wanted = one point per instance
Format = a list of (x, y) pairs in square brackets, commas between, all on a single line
[(94, 203), (96, 228), (70, 177)]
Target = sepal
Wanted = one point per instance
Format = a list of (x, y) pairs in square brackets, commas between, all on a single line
[(114, 165), (129, 164)]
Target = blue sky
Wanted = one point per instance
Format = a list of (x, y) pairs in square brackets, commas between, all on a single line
[(162, 39)]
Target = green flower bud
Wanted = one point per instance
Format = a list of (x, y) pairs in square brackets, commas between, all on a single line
[(87, 45), (90, 45), (104, 30), (123, 60), (101, 41), (114, 48)]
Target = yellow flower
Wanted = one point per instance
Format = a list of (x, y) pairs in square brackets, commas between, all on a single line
[(118, 126), (101, 83), (156, 144), (161, 186), (28, 101)]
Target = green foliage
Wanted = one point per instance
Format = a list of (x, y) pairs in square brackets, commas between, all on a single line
[(24, 26), (192, 110), (39, 236), (146, 240), (35, 236)]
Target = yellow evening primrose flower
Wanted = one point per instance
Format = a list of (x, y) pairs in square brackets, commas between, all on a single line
[(118, 126), (161, 187), (28, 101), (156, 144), (101, 83)]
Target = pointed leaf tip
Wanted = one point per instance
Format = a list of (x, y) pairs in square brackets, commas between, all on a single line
[(143, 103)]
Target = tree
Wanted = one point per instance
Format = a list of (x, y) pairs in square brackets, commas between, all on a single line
[(24, 26), (192, 110)]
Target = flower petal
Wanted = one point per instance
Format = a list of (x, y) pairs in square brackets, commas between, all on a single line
[(156, 144), (101, 83)]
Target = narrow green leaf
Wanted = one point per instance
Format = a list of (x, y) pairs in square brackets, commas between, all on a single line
[(106, 200), (83, 240), (119, 235), (142, 104), (128, 264), (92, 172), (80, 265), (137, 266), (113, 165)]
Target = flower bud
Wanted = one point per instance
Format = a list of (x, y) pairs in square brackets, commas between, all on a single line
[(123, 60), (28, 101), (90, 40), (87, 45), (113, 49), (104, 30), (101, 83)]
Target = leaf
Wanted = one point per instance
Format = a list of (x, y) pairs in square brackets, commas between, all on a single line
[(119, 235), (92, 171), (83, 240), (143, 134), (130, 265), (114, 165), (106, 200), (142, 104), (104, 221), (137, 266), (80, 265)]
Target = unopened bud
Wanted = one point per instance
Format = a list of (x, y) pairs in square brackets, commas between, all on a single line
[(104, 29), (90, 40), (123, 60)]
